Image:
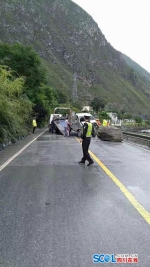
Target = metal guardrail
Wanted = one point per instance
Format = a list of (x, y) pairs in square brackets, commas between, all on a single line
[(137, 138)]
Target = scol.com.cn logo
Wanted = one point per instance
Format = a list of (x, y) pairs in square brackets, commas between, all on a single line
[(119, 258)]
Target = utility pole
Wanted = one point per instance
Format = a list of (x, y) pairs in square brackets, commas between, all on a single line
[(74, 88)]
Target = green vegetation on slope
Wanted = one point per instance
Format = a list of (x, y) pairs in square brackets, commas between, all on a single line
[(23, 91), (15, 107)]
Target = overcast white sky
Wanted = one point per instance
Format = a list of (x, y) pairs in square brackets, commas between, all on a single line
[(125, 24)]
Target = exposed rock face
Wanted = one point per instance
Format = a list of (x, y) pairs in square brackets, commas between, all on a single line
[(73, 37), (70, 41), (110, 133)]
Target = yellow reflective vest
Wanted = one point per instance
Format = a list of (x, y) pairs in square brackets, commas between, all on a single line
[(89, 130), (104, 122), (34, 123)]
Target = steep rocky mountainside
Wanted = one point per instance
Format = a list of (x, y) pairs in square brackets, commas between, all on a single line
[(69, 41), (137, 67)]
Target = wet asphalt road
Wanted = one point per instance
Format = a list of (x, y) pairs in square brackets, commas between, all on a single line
[(55, 213)]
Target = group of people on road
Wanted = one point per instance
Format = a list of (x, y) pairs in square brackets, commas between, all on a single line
[(86, 133)]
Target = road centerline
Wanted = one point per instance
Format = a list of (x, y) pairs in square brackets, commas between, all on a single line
[(144, 213)]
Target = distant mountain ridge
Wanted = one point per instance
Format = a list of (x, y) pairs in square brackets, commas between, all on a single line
[(69, 41)]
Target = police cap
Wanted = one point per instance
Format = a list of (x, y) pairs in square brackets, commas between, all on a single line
[(82, 119), (86, 117)]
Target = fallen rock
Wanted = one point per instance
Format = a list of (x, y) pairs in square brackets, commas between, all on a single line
[(110, 133)]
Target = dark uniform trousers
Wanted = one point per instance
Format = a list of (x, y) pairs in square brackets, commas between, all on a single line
[(85, 147)]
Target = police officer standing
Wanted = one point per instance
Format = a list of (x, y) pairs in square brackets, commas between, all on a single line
[(87, 132)]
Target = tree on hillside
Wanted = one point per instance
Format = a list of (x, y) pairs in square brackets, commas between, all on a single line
[(103, 115), (128, 116), (15, 107), (45, 101), (61, 97), (25, 62), (77, 104), (138, 120), (97, 104)]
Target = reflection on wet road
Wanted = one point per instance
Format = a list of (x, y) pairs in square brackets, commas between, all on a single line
[(55, 212)]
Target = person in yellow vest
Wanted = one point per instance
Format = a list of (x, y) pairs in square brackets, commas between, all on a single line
[(34, 124), (86, 134), (104, 122)]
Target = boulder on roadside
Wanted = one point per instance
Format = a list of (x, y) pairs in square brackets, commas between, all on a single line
[(110, 133)]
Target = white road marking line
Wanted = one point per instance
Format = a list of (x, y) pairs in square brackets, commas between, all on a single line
[(19, 152)]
